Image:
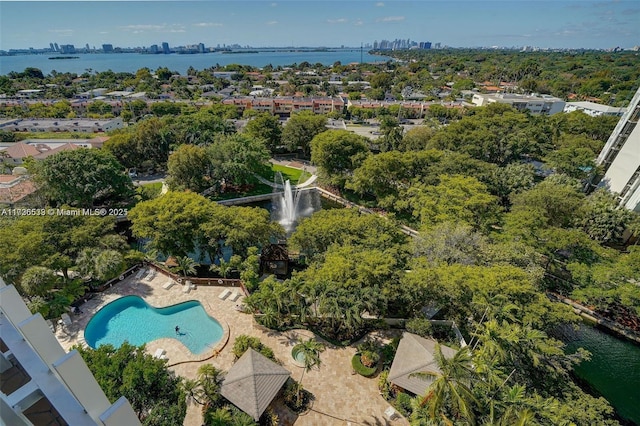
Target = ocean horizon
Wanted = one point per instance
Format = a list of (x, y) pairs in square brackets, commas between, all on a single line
[(131, 62)]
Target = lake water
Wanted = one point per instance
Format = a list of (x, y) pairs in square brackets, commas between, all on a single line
[(131, 62), (614, 369)]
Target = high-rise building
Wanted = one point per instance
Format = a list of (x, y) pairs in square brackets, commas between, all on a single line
[(165, 48), (107, 48), (52, 47), (43, 384), (67, 48), (153, 48), (201, 48), (620, 158), (57, 49)]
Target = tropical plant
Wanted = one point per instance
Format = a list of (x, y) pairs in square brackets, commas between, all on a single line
[(449, 396), (309, 351), (186, 265)]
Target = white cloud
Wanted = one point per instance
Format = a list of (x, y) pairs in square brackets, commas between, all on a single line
[(272, 22), (62, 33), (391, 19), (162, 28), (143, 27), (380, 4), (338, 21), (208, 24), (274, 4), (358, 22)]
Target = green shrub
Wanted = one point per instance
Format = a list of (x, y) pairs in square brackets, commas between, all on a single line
[(403, 404), (389, 352), (369, 358), (296, 397), (384, 385), (244, 342), (420, 326), (361, 369)]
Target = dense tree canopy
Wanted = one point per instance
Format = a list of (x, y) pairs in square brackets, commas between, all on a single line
[(337, 153), (301, 128), (83, 178), (144, 380)]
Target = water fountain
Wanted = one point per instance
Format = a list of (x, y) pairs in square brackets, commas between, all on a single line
[(286, 203)]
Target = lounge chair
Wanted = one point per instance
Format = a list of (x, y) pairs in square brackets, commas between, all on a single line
[(186, 288), (159, 353), (170, 283), (151, 275), (66, 319), (234, 296), (224, 294), (140, 273)]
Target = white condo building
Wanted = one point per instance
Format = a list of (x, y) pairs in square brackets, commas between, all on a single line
[(620, 158), (537, 105), (41, 383), (593, 109)]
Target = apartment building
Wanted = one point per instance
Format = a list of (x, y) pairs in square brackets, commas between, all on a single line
[(620, 157), (41, 383), (75, 125), (537, 105), (285, 106), (594, 109)]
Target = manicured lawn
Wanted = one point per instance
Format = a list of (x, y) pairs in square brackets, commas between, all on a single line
[(294, 175), (258, 189), (56, 135)]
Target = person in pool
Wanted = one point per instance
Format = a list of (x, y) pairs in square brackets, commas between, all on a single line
[(177, 329)]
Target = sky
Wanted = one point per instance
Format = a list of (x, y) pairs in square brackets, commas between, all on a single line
[(264, 23)]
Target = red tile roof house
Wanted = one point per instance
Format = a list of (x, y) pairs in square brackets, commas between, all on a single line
[(16, 190)]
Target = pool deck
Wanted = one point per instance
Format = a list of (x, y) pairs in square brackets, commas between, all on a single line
[(341, 398)]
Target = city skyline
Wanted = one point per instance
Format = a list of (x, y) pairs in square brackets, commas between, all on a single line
[(544, 24)]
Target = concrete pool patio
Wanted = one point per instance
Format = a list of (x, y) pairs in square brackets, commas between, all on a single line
[(341, 398)]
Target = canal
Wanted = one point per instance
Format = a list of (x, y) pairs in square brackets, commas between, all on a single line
[(614, 368)]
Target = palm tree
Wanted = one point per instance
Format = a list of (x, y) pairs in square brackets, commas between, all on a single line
[(209, 382), (450, 391), (151, 255), (186, 265), (224, 268), (219, 417), (310, 350), (193, 390), (109, 264)]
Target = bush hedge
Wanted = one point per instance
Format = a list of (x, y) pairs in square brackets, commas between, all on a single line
[(362, 369)]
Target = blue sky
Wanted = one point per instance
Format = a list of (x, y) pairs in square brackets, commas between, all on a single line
[(571, 24)]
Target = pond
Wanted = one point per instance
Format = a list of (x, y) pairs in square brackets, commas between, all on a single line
[(614, 369)]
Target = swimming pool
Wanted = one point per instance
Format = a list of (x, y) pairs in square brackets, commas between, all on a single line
[(131, 319)]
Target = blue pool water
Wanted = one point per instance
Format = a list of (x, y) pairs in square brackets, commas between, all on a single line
[(132, 319)]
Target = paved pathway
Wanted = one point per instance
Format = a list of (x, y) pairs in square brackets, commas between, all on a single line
[(340, 397)]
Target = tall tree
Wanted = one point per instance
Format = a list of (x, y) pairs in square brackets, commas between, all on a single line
[(301, 128), (449, 397), (83, 178), (266, 127), (144, 380), (172, 222), (337, 153), (189, 169)]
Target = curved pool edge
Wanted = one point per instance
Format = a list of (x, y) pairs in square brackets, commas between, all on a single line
[(167, 342), (215, 351)]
